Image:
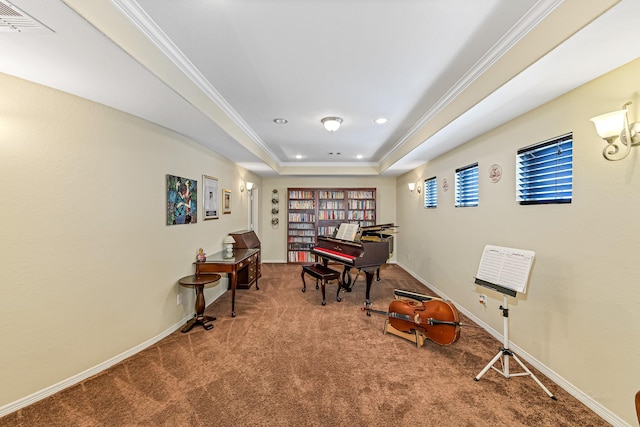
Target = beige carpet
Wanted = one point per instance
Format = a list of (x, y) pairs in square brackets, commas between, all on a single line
[(286, 360)]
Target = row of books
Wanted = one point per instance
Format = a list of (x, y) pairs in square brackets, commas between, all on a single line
[(301, 238), (326, 231), (293, 194), (300, 217), (331, 194), (325, 204), (360, 215), (300, 256), (324, 215), (360, 194), (301, 226), (301, 204), (362, 204)]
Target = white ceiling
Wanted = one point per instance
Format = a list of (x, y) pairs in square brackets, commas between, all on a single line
[(220, 71)]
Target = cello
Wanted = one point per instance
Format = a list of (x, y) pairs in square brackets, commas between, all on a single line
[(436, 319)]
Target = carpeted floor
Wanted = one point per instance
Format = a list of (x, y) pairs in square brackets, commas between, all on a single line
[(286, 360)]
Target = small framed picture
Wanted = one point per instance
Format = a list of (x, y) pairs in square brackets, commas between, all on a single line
[(226, 201), (210, 197)]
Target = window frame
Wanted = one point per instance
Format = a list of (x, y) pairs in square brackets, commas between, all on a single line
[(462, 202), (430, 187), (542, 171)]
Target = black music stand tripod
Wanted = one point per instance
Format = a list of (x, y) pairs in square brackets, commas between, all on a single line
[(505, 353)]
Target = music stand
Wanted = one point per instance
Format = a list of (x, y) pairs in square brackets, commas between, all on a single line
[(510, 268)]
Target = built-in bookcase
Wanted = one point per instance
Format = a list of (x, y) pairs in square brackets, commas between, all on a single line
[(316, 212)]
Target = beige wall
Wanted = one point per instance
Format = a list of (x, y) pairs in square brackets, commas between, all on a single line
[(89, 268), (274, 239), (579, 316)]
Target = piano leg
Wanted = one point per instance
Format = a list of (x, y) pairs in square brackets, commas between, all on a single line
[(369, 273), (346, 278)]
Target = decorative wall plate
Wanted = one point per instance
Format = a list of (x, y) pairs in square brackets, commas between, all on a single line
[(495, 172)]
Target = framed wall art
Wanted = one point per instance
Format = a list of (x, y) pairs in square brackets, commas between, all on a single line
[(210, 197), (182, 200), (226, 201)]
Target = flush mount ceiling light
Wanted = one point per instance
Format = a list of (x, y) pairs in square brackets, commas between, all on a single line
[(280, 121), (331, 124)]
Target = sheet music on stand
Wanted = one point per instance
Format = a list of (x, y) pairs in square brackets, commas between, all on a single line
[(505, 270), (347, 231)]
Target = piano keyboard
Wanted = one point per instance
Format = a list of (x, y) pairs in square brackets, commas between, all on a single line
[(334, 254)]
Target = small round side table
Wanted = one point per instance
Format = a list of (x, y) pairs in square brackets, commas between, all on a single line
[(198, 282)]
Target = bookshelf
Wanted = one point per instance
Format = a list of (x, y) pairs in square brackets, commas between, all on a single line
[(316, 212), (301, 224)]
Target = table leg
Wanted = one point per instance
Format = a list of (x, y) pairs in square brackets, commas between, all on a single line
[(233, 293), (199, 318), (190, 324), (199, 300)]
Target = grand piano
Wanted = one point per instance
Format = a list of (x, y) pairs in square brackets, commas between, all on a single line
[(371, 247)]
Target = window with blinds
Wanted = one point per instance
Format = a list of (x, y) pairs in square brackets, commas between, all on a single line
[(431, 193), (545, 172), (467, 186)]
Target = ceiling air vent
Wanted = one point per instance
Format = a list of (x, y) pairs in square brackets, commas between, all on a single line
[(13, 20)]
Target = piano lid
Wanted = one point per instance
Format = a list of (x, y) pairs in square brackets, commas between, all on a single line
[(387, 228)]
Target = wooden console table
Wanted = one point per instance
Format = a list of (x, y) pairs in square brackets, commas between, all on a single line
[(198, 282), (243, 263)]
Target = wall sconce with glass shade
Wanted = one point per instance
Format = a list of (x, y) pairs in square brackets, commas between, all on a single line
[(248, 185), (615, 125), (413, 185)]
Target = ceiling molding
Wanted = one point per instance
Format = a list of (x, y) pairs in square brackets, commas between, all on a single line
[(536, 14), (138, 17)]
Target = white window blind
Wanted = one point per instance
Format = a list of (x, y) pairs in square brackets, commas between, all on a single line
[(430, 193), (467, 186), (545, 172)]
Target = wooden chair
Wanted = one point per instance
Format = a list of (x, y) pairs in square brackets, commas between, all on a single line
[(638, 406)]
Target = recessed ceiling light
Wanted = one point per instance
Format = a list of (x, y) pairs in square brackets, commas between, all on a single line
[(280, 121), (298, 156), (359, 156), (381, 120)]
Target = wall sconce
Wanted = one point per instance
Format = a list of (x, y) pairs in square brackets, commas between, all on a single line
[(413, 185), (614, 125), (228, 244), (248, 185)]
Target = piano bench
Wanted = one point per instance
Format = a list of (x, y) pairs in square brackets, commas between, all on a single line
[(322, 274)]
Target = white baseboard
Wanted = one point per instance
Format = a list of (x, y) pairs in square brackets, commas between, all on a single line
[(596, 407), (39, 395)]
